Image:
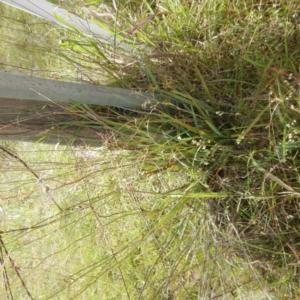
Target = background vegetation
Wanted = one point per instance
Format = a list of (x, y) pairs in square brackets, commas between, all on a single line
[(197, 198)]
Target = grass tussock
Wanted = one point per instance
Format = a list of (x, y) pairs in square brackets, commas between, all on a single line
[(197, 196)]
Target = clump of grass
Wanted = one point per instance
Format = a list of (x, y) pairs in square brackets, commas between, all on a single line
[(232, 70), (206, 200)]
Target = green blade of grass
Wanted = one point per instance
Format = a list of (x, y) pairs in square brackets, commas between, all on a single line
[(250, 126)]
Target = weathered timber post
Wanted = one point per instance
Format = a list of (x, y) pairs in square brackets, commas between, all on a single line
[(53, 13), (30, 121), (31, 108)]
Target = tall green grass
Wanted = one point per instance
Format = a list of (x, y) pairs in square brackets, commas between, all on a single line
[(193, 198)]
